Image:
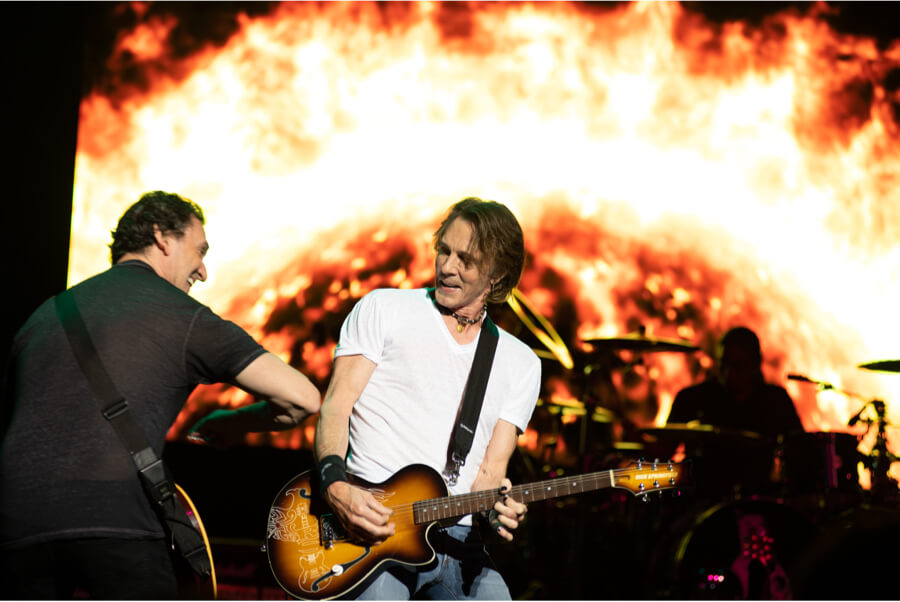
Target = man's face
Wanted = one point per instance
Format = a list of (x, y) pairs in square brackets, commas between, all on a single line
[(459, 282), (186, 256)]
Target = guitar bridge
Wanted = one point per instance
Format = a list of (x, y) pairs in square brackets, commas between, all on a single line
[(330, 530)]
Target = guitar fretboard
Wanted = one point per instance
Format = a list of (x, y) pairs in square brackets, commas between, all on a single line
[(426, 511)]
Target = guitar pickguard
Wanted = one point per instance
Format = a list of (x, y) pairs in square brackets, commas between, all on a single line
[(381, 495)]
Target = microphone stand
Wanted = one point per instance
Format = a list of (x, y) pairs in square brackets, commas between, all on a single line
[(878, 461)]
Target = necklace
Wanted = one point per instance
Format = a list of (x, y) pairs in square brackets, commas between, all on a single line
[(462, 321)]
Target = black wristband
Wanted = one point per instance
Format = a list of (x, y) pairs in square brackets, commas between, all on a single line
[(331, 469)]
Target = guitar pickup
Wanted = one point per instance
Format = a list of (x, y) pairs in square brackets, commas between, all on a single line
[(330, 530)]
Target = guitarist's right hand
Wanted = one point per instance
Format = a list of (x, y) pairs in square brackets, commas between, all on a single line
[(365, 518)]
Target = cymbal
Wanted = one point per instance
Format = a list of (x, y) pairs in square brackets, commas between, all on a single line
[(573, 407), (639, 343), (882, 366), (693, 430)]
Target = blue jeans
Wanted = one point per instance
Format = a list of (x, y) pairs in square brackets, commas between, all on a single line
[(462, 571)]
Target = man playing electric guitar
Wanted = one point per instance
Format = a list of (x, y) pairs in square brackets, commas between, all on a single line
[(400, 371)]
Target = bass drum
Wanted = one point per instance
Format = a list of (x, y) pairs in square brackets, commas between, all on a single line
[(851, 558), (739, 550)]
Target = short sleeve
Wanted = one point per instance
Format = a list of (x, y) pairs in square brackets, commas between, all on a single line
[(217, 350), (363, 330), (519, 413), (524, 385)]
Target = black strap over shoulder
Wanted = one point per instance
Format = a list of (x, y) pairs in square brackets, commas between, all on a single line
[(114, 407), (473, 398), (112, 404)]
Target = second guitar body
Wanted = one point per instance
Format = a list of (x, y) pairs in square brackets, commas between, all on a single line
[(192, 586), (312, 559)]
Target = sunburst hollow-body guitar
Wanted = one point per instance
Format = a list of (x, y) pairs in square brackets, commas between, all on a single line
[(312, 558)]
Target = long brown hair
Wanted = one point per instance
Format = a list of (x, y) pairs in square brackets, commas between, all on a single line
[(498, 238)]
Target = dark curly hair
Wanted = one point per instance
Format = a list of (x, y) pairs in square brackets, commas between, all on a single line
[(168, 211), (497, 236)]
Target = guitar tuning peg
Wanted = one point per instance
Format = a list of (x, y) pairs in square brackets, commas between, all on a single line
[(644, 498)]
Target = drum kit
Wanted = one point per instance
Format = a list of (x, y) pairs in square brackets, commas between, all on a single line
[(745, 537), (829, 460)]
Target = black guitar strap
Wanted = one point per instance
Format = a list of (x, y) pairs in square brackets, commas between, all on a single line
[(473, 398), (151, 469)]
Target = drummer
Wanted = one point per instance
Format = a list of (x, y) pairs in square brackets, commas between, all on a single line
[(736, 395), (736, 399)]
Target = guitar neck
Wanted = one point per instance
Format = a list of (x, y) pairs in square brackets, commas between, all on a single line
[(469, 503)]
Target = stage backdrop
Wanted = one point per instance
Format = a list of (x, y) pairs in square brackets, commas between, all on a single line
[(676, 173)]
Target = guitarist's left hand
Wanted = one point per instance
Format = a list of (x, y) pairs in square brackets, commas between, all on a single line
[(507, 513)]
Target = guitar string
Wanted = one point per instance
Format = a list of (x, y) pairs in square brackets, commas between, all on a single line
[(485, 495), (480, 499)]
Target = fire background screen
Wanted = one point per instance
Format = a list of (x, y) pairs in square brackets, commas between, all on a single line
[(678, 169)]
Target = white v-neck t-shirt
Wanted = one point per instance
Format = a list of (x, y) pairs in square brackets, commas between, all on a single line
[(408, 410)]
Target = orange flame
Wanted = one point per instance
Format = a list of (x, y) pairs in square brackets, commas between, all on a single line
[(670, 174)]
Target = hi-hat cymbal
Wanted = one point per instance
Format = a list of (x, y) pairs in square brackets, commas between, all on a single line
[(562, 402), (882, 366), (574, 407), (639, 343)]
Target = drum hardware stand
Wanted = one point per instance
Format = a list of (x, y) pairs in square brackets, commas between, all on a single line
[(878, 461)]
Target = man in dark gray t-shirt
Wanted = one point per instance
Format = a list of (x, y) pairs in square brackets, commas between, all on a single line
[(73, 513)]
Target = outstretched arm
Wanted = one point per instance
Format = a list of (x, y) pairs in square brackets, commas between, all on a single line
[(289, 395)]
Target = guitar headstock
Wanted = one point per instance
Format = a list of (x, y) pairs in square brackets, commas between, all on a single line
[(644, 477)]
